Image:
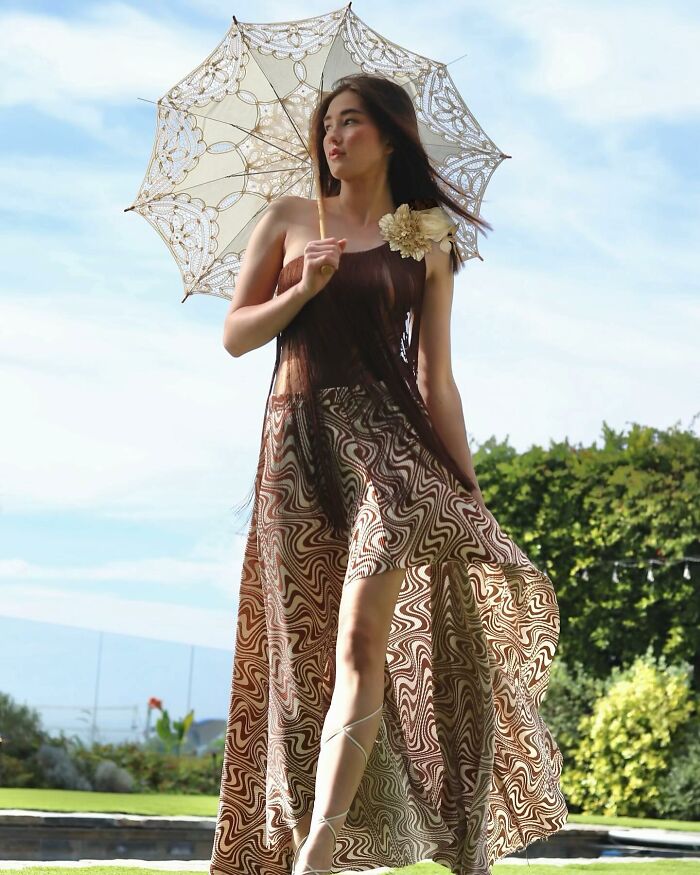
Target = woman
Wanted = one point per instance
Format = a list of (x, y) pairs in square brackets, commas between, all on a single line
[(393, 643)]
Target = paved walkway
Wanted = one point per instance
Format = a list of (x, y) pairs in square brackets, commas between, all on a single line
[(690, 840)]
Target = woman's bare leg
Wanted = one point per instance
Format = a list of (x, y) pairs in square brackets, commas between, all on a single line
[(364, 622), (301, 829)]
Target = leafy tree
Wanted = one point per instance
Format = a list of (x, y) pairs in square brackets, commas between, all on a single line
[(635, 498)]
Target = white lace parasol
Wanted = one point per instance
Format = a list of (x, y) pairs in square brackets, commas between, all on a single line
[(233, 136)]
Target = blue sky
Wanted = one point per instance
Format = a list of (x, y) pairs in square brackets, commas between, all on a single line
[(128, 431)]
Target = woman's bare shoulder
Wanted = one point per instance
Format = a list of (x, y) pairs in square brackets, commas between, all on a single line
[(289, 209), (295, 216), (290, 201)]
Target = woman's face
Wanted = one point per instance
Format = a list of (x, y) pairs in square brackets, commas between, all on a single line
[(352, 132)]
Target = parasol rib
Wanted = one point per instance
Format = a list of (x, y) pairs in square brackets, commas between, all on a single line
[(223, 122), (281, 102)]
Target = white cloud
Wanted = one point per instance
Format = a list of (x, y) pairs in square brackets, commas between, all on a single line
[(609, 62), (113, 53), (622, 207), (185, 624), (71, 69), (125, 408), (176, 573), (120, 398), (601, 62), (211, 568), (541, 356)]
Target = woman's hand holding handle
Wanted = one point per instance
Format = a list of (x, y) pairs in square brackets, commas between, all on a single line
[(321, 260)]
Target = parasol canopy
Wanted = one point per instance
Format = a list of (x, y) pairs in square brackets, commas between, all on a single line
[(232, 136)]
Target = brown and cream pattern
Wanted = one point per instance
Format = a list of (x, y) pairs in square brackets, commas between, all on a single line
[(464, 770)]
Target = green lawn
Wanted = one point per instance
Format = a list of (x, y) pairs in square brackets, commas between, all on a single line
[(118, 803), (206, 806), (662, 867)]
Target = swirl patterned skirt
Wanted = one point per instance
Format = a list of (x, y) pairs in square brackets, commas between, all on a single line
[(463, 770)]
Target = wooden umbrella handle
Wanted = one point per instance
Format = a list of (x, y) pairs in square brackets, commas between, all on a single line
[(326, 269)]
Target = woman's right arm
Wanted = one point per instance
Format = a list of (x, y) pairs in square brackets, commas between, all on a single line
[(255, 316)]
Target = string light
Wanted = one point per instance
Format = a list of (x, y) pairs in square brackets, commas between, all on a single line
[(649, 564)]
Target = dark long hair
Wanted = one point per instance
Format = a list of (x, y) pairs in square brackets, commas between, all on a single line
[(412, 177)]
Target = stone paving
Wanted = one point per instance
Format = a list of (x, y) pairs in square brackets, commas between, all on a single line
[(31, 819)]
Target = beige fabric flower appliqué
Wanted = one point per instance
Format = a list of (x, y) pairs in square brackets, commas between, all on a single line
[(411, 232)]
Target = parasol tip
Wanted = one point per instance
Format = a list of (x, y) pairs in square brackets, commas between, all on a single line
[(235, 20)]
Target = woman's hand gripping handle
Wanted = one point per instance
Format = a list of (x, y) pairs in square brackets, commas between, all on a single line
[(321, 260)]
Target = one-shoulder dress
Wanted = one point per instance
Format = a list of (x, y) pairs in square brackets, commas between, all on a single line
[(353, 480)]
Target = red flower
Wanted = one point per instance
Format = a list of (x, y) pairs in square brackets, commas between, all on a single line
[(155, 703)]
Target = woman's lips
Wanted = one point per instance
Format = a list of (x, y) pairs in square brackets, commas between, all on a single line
[(335, 154)]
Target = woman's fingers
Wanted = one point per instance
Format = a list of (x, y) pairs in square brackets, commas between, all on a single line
[(328, 247), (318, 256)]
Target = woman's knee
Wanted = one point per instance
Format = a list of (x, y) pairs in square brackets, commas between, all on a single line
[(366, 610)]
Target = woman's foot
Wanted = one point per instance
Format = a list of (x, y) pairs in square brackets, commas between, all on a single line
[(314, 856)]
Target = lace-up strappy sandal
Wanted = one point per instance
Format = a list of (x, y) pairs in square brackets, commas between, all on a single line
[(326, 818)]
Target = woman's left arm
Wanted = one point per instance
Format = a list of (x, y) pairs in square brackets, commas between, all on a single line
[(435, 379)]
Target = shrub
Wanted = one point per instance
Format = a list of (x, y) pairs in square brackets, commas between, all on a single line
[(153, 771), (626, 743), (59, 770), (571, 695), (22, 735), (15, 772), (680, 788), (30, 757), (111, 778)]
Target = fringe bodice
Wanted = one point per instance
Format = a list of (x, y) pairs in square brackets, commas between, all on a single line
[(362, 327)]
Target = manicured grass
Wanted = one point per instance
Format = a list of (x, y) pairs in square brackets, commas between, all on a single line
[(118, 803), (206, 806), (662, 867), (638, 822), (100, 870)]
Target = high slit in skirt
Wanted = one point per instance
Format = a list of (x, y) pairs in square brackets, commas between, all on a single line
[(463, 770)]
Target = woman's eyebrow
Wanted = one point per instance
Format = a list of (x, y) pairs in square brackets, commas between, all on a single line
[(343, 112)]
